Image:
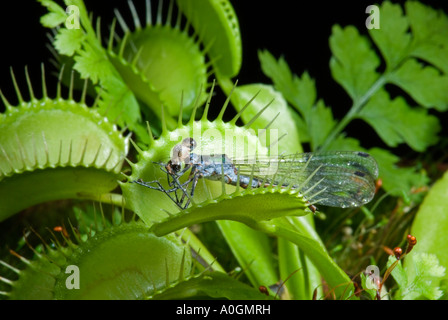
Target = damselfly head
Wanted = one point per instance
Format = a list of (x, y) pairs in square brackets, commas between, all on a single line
[(181, 154)]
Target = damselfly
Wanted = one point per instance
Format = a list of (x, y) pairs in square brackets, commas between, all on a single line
[(336, 179)]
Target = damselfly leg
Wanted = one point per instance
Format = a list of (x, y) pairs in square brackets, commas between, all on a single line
[(159, 187), (173, 181), (183, 200)]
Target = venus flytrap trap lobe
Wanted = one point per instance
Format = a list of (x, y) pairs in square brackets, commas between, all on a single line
[(159, 61), (161, 149), (218, 26), (68, 139), (115, 261)]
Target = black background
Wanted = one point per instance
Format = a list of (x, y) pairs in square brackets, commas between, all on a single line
[(297, 30)]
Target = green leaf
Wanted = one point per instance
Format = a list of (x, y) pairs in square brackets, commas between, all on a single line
[(430, 32), (424, 274), (353, 63), (343, 143), (301, 126), (67, 41), (398, 272), (118, 100), (392, 38), (396, 122), (55, 16), (424, 84), (419, 278), (397, 180), (432, 216), (320, 123), (278, 109), (92, 62), (300, 92), (317, 120)]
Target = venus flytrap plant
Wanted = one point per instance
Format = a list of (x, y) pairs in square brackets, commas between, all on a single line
[(137, 64), (137, 81), (217, 24), (239, 218), (87, 40)]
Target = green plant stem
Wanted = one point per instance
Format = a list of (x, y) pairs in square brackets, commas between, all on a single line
[(306, 238), (252, 250), (108, 198), (297, 272), (354, 110)]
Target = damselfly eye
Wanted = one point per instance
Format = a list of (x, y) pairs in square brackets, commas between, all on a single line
[(189, 143)]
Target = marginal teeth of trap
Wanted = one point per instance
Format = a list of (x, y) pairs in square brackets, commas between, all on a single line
[(45, 139), (159, 62), (100, 255)]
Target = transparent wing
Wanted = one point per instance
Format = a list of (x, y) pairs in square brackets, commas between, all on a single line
[(336, 179)]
